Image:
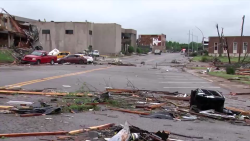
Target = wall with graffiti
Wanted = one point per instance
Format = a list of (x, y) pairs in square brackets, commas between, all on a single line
[(152, 40)]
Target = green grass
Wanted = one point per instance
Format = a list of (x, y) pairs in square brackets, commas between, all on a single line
[(223, 59), (243, 79), (6, 57)]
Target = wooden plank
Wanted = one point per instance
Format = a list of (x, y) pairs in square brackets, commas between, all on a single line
[(3, 107), (176, 98), (40, 93), (100, 127), (34, 134), (247, 113)]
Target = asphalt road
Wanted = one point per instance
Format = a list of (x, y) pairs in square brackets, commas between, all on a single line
[(97, 77)]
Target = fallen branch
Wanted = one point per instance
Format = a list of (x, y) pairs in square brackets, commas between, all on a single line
[(128, 111)]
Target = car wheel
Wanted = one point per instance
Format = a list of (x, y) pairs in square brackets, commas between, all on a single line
[(80, 61), (52, 62), (38, 62), (61, 62)]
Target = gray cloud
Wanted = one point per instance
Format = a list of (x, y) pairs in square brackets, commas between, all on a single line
[(173, 18)]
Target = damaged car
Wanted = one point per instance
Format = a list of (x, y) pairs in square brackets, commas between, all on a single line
[(77, 59), (39, 57)]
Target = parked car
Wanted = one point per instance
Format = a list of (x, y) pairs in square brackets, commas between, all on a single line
[(77, 59), (95, 53), (89, 58), (157, 51), (62, 54), (39, 57)]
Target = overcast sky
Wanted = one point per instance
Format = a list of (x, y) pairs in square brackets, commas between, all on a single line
[(171, 17)]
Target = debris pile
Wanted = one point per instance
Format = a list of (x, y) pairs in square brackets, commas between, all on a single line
[(27, 32), (200, 104)]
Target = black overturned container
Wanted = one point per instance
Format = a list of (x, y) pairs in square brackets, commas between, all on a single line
[(207, 99)]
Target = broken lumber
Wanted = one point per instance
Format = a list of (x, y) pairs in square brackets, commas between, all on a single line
[(247, 113), (40, 93), (176, 134), (121, 90), (100, 127), (156, 106), (34, 134), (128, 111), (135, 91), (31, 115), (176, 98), (240, 93), (3, 107)]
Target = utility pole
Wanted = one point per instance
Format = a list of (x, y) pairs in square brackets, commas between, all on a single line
[(202, 37), (242, 26), (188, 41), (192, 42)]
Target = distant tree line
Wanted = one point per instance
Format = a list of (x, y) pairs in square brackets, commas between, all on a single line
[(176, 46)]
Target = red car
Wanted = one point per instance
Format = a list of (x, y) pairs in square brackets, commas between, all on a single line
[(77, 59), (39, 57)]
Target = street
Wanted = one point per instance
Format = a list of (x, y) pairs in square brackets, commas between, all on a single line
[(96, 78), (164, 78)]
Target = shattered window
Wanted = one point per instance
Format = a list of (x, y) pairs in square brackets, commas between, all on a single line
[(215, 46), (46, 31), (69, 32), (235, 46)]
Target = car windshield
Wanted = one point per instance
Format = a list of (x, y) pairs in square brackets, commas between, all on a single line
[(36, 53)]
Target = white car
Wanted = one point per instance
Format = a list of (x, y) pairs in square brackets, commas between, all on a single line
[(95, 53), (89, 58)]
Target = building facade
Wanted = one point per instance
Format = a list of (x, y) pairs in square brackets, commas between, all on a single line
[(65, 36), (152, 41), (236, 45), (107, 38), (79, 36), (128, 39)]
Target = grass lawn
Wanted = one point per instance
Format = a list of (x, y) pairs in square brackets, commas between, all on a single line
[(243, 78), (6, 57), (223, 59)]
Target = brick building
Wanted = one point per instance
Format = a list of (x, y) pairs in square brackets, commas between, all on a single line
[(152, 41), (236, 45)]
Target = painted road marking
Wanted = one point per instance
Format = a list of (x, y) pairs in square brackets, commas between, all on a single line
[(50, 78), (191, 87), (184, 82)]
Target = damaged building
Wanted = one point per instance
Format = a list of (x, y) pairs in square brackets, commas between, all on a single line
[(108, 38), (152, 42), (11, 30)]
